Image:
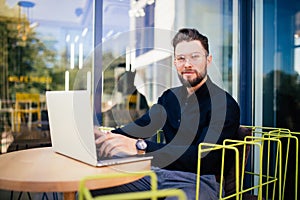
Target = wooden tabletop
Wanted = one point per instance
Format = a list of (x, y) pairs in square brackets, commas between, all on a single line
[(42, 170)]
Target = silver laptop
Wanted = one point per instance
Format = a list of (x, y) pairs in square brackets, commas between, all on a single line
[(72, 129)]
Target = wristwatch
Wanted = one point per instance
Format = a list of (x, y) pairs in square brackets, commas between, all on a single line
[(141, 146)]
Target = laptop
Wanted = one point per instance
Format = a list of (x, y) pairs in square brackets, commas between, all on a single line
[(72, 130)]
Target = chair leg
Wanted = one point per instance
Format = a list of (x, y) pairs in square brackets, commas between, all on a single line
[(28, 194), (29, 121), (21, 193), (55, 197), (44, 195), (11, 195)]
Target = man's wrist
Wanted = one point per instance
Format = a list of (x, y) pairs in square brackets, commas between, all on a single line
[(141, 146)]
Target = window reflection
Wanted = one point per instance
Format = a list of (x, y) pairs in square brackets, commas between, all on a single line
[(128, 103), (297, 43), (125, 94), (223, 36), (148, 46), (38, 48)]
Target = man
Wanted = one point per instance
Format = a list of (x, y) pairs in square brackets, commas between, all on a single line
[(196, 112)]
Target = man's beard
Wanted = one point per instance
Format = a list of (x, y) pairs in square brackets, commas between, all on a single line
[(193, 82)]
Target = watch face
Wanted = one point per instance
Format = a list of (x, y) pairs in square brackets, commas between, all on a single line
[(141, 145)]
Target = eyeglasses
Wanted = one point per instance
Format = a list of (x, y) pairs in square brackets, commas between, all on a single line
[(194, 58)]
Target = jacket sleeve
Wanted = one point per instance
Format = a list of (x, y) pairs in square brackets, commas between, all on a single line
[(145, 126)]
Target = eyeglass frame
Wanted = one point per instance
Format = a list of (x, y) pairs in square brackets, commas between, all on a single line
[(190, 59)]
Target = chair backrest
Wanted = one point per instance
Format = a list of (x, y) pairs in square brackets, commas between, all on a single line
[(26, 103), (33, 100), (230, 180)]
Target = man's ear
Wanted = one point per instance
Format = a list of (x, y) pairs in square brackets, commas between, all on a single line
[(209, 60)]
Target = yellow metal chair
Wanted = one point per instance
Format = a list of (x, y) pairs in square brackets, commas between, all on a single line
[(153, 193), (286, 137), (240, 150), (26, 104), (268, 142)]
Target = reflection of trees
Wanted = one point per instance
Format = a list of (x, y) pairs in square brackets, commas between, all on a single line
[(109, 71), (26, 63), (286, 90), (289, 102)]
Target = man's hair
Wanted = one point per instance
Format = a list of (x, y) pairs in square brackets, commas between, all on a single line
[(190, 34)]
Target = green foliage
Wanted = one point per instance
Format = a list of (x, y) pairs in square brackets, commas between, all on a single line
[(285, 90), (110, 64), (27, 65)]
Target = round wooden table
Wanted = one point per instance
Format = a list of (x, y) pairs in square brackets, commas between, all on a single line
[(43, 170)]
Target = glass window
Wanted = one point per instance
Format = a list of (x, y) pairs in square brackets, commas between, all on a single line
[(118, 90), (297, 43), (276, 70), (44, 45), (130, 62), (218, 21), (277, 64), (145, 53)]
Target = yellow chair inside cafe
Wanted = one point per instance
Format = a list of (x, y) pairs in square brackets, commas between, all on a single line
[(153, 193), (26, 106)]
